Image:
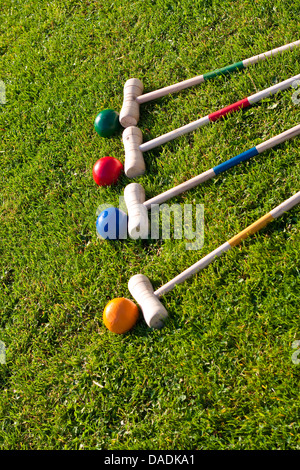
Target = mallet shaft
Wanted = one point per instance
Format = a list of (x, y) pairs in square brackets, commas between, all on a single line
[(211, 173), (218, 114), (236, 240), (271, 53), (180, 188), (153, 95), (207, 76)]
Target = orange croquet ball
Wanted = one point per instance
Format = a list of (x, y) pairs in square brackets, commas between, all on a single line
[(120, 315)]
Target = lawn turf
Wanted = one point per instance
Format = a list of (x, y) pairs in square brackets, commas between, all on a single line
[(220, 374)]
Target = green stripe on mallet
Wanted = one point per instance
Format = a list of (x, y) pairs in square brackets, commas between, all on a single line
[(224, 70)]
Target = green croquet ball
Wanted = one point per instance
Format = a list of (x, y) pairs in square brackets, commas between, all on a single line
[(107, 123)]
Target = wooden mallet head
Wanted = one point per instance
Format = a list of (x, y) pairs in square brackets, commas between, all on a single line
[(138, 223), (130, 111), (134, 161), (153, 310)]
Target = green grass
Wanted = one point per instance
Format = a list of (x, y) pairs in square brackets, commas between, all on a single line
[(220, 374)]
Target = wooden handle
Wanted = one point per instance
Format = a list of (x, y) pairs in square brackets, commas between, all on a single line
[(160, 198), (272, 89), (174, 134), (272, 53), (153, 95), (253, 228), (189, 272), (285, 206), (278, 139)]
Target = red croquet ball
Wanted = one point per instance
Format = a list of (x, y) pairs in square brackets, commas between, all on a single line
[(107, 170)]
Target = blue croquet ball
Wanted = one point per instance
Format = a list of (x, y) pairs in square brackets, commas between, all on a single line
[(112, 224)]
